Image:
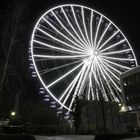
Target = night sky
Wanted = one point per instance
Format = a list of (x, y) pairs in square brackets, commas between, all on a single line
[(124, 13)]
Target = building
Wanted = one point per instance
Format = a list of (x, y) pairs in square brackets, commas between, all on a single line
[(130, 86), (129, 118), (92, 118)]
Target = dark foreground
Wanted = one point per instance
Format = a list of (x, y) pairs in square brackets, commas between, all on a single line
[(63, 137), (68, 137), (17, 137)]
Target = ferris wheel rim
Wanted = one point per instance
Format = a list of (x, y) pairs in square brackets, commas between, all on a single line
[(76, 5)]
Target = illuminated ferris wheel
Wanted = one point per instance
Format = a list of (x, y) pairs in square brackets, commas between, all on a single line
[(77, 51)]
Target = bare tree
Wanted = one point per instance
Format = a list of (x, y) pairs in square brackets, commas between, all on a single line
[(9, 37)]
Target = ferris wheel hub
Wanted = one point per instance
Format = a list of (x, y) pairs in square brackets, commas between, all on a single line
[(96, 53)]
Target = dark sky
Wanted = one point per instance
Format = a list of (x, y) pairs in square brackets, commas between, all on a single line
[(124, 13)]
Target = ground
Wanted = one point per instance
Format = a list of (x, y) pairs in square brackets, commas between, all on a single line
[(73, 137), (70, 137), (137, 138)]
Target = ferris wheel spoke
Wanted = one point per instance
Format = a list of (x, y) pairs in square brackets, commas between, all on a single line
[(104, 93), (63, 34), (85, 28), (69, 89), (40, 59), (60, 57), (71, 86), (115, 52), (85, 76), (112, 94), (46, 46), (65, 75), (114, 45), (88, 91), (97, 93), (65, 30), (56, 68), (113, 83), (91, 28), (103, 89), (79, 76), (55, 49), (80, 81), (54, 23), (105, 72), (75, 18), (84, 81), (100, 47), (103, 35), (58, 40), (117, 59), (116, 64), (109, 87), (92, 92), (57, 100), (113, 68), (91, 88), (46, 28), (100, 83), (106, 68), (78, 85), (94, 74), (68, 94), (96, 33), (82, 44), (111, 79)]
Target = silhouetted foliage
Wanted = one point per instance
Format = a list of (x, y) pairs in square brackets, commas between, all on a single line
[(17, 89)]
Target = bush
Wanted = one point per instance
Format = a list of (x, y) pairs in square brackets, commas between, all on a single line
[(113, 136), (16, 137), (12, 129)]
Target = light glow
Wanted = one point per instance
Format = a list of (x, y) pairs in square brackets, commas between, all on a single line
[(13, 113)]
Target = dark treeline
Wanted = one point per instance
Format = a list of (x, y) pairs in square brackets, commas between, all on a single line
[(18, 89)]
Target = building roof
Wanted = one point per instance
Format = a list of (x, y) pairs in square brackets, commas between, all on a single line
[(130, 72)]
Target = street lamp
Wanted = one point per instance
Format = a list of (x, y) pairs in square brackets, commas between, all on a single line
[(123, 108), (13, 113)]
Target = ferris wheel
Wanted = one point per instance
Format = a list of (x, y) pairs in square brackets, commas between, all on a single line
[(77, 51)]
